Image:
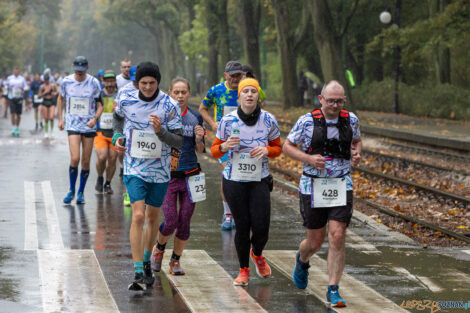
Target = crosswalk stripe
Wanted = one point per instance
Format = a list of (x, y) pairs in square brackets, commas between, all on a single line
[(55, 235), (30, 223), (72, 281), (207, 287), (358, 296), (359, 243)]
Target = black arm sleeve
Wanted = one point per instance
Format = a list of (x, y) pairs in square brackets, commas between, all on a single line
[(173, 138), (118, 123)]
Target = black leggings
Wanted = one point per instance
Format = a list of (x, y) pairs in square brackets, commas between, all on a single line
[(250, 204)]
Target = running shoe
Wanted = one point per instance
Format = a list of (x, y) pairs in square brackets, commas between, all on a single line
[(334, 298), (262, 268), (156, 259), (69, 197), (46, 135), (243, 277), (80, 198), (148, 275), (226, 222), (127, 200), (17, 132), (175, 267), (107, 189), (99, 184), (300, 275), (138, 284)]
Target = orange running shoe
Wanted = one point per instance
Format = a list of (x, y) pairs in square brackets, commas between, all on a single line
[(243, 276), (262, 268)]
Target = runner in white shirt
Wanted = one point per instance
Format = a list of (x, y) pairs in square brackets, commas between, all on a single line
[(16, 85), (79, 94), (124, 78), (152, 126)]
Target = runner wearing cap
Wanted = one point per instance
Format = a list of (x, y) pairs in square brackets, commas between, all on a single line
[(47, 92), (224, 97), (105, 151), (79, 93), (249, 136), (124, 78), (152, 126)]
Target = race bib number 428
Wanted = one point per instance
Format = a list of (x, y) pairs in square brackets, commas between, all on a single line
[(145, 145), (79, 106), (328, 192), (245, 168)]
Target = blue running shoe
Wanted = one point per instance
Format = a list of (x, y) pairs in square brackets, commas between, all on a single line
[(69, 197), (300, 275), (334, 298), (80, 198), (226, 222)]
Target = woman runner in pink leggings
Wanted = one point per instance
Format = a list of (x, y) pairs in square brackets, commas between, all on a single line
[(183, 165)]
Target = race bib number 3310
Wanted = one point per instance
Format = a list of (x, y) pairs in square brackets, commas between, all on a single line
[(246, 168), (145, 145)]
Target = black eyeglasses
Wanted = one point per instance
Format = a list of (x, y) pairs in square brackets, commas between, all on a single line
[(335, 101)]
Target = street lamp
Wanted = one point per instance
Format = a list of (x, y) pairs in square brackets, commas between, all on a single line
[(386, 18)]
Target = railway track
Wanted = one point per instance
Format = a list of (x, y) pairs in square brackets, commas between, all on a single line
[(286, 185)]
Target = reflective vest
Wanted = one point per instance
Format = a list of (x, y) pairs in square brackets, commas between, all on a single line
[(320, 144)]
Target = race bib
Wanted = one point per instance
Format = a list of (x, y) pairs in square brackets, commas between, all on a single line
[(145, 145), (328, 192), (106, 121), (36, 99), (245, 168), (5, 91), (17, 93), (197, 187), (229, 109), (79, 106)]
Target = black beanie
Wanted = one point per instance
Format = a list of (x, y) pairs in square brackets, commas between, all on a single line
[(148, 69)]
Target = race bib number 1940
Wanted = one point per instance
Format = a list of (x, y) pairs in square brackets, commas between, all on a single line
[(145, 145), (245, 168), (328, 192), (197, 187), (79, 106)]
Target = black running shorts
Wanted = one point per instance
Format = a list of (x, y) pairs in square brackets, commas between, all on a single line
[(86, 135), (16, 106), (316, 218)]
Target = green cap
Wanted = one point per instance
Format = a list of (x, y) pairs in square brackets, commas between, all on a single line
[(109, 74)]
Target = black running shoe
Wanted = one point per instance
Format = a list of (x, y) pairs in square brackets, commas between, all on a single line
[(148, 278), (138, 284), (107, 189), (99, 184)]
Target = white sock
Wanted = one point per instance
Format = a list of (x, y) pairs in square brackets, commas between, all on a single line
[(226, 208)]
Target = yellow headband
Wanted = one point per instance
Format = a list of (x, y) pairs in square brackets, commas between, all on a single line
[(248, 82)]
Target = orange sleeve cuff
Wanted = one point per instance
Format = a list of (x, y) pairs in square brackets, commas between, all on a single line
[(215, 148), (274, 148)]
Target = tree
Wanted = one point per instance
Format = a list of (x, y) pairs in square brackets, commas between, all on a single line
[(250, 22)]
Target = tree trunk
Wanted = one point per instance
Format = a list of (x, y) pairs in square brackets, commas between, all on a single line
[(250, 16), (441, 54), (290, 95), (329, 46), (224, 37), (211, 15)]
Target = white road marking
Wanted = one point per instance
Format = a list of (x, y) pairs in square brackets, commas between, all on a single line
[(425, 282), (30, 223), (72, 281), (206, 287), (430, 284), (359, 243), (55, 236), (358, 296), (466, 251)]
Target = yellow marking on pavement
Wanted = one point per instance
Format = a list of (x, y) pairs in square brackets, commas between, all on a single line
[(359, 297), (207, 287)]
